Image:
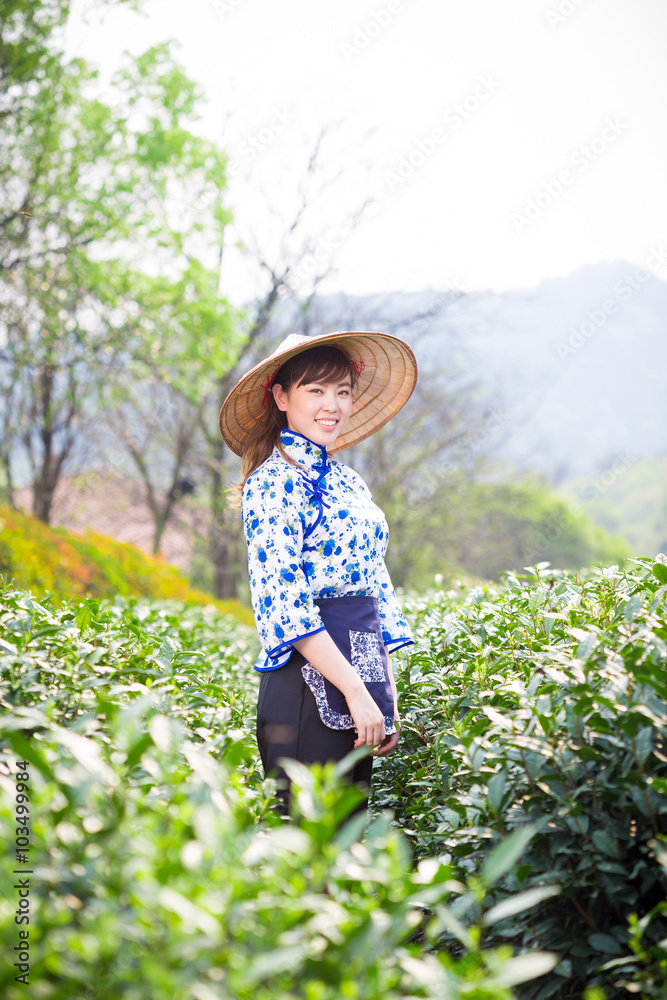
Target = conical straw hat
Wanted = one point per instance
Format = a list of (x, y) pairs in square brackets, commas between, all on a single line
[(387, 371)]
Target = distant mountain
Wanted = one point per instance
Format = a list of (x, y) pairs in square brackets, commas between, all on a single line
[(577, 367)]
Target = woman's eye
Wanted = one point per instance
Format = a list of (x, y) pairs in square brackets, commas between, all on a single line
[(346, 391)]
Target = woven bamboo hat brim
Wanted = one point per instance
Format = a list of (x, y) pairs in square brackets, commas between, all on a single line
[(387, 377)]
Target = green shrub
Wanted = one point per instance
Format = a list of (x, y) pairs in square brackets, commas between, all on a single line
[(157, 867), (545, 704)]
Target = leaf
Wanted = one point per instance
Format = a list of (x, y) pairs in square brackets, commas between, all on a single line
[(506, 854), (297, 772), (659, 571), (633, 606), (605, 843), (161, 731), (167, 651), (549, 618), (24, 717), (496, 786), (525, 967), (585, 647), (83, 618), (268, 964), (494, 716), (578, 633), (452, 924), (87, 752), (517, 904), (605, 943), (190, 914)]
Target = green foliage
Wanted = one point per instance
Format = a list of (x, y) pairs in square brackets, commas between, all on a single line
[(53, 560), (528, 841), (29, 42), (158, 867), (545, 703), (632, 501), (462, 527), (645, 971)]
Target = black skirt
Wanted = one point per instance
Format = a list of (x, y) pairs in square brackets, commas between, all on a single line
[(301, 715)]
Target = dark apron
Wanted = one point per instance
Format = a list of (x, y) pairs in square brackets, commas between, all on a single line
[(354, 625)]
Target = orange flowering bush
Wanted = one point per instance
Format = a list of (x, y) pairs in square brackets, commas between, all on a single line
[(37, 557)]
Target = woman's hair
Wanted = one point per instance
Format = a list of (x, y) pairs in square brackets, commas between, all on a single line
[(317, 364)]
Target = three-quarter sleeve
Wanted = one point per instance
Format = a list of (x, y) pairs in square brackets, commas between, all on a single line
[(273, 518), (396, 632)]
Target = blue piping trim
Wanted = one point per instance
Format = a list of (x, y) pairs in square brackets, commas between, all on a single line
[(323, 465), (277, 650), (403, 642)]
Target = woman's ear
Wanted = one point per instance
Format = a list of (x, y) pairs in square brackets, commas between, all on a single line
[(279, 396)]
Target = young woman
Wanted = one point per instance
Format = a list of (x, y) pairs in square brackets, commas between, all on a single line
[(324, 605)]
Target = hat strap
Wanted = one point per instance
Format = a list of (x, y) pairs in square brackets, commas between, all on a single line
[(267, 384)]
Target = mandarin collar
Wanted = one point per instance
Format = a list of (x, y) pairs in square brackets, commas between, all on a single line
[(308, 453)]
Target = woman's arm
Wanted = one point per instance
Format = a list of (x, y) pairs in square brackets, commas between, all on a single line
[(322, 652)]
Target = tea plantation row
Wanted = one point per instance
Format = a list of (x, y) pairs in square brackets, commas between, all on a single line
[(525, 853)]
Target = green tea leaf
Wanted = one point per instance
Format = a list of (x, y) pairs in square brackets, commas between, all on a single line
[(506, 854), (517, 904)]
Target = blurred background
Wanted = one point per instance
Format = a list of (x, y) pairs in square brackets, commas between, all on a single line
[(182, 185)]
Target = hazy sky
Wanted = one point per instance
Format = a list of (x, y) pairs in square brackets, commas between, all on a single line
[(512, 140)]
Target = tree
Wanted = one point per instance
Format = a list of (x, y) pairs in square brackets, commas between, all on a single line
[(102, 192), (111, 292)]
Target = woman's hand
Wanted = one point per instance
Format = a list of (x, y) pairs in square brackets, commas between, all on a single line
[(367, 717), (389, 742)]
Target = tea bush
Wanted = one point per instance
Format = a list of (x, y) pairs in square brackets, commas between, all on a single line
[(545, 703), (157, 867), (529, 782)]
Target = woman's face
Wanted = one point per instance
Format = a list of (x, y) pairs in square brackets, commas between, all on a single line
[(318, 410)]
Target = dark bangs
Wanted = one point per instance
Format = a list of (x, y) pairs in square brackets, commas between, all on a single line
[(320, 364)]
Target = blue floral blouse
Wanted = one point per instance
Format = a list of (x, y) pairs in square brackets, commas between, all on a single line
[(313, 534)]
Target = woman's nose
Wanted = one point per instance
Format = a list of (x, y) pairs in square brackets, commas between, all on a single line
[(331, 402)]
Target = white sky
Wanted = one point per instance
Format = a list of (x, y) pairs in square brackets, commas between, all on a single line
[(554, 86)]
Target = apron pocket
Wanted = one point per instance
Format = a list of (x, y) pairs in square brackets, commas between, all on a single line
[(329, 716), (365, 655)]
